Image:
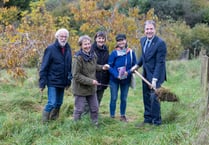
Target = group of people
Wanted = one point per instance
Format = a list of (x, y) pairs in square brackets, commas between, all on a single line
[(93, 69)]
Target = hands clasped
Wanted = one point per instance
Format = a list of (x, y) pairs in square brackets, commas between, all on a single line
[(106, 67)]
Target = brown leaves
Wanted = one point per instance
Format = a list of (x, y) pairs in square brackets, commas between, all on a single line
[(25, 44)]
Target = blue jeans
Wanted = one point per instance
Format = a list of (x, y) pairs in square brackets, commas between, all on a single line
[(55, 98), (114, 87)]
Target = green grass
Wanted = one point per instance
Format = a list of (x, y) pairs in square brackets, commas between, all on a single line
[(183, 122)]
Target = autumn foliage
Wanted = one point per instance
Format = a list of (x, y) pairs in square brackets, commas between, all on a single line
[(22, 44), (23, 41)]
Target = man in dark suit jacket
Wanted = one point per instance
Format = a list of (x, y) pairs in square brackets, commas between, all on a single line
[(153, 60)]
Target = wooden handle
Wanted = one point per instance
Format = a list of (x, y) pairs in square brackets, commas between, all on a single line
[(145, 80)]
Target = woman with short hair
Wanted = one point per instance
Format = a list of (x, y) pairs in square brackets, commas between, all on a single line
[(84, 79)]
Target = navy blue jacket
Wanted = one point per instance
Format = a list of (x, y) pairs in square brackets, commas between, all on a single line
[(116, 61), (153, 60), (55, 69), (102, 58)]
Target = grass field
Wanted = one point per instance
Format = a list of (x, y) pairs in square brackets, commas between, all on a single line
[(184, 123)]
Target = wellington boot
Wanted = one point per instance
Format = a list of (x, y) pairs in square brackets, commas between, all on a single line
[(45, 116), (54, 114)]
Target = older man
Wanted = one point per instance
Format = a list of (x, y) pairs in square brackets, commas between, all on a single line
[(55, 73)]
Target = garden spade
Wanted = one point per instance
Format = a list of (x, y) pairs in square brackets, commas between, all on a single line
[(162, 93)]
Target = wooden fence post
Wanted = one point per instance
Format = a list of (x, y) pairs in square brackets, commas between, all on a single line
[(207, 111), (205, 77), (204, 72)]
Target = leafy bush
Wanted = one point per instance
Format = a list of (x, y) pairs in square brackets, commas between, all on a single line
[(206, 15), (201, 32), (8, 16), (188, 10), (194, 38)]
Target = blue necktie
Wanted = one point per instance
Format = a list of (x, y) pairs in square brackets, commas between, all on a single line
[(146, 46)]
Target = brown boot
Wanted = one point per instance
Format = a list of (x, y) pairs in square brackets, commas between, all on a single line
[(123, 118), (54, 114), (45, 116)]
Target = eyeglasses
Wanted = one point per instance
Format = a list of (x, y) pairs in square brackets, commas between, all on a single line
[(61, 36)]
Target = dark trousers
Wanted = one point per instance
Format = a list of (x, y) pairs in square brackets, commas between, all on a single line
[(100, 94), (80, 105), (152, 112)]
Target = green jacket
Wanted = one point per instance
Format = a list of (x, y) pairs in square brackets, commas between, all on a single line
[(84, 72)]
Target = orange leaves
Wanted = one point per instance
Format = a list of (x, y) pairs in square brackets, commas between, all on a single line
[(25, 45), (88, 28), (134, 12), (84, 10), (87, 6), (8, 15), (18, 74), (62, 22), (151, 15), (4, 1), (93, 17)]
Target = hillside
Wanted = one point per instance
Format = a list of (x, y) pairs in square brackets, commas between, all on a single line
[(183, 123)]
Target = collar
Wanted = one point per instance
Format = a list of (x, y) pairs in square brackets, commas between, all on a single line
[(150, 40)]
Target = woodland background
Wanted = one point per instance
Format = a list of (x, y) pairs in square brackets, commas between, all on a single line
[(28, 26)]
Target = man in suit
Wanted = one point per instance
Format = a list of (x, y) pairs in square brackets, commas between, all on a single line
[(153, 60)]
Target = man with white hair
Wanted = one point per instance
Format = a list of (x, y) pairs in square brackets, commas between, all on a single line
[(55, 73)]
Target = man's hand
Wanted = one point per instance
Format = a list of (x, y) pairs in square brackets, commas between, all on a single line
[(135, 67), (154, 81), (41, 89)]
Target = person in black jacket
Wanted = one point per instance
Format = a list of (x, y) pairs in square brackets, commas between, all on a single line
[(55, 73), (102, 53)]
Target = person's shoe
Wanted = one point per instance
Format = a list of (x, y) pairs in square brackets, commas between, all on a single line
[(96, 124), (157, 125), (123, 118), (143, 124), (113, 117), (45, 116), (54, 114)]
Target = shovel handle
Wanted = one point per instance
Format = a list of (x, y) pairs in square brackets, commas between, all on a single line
[(41, 99), (145, 80)]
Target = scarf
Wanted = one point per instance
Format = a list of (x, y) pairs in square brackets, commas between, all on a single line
[(121, 52), (86, 56)]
